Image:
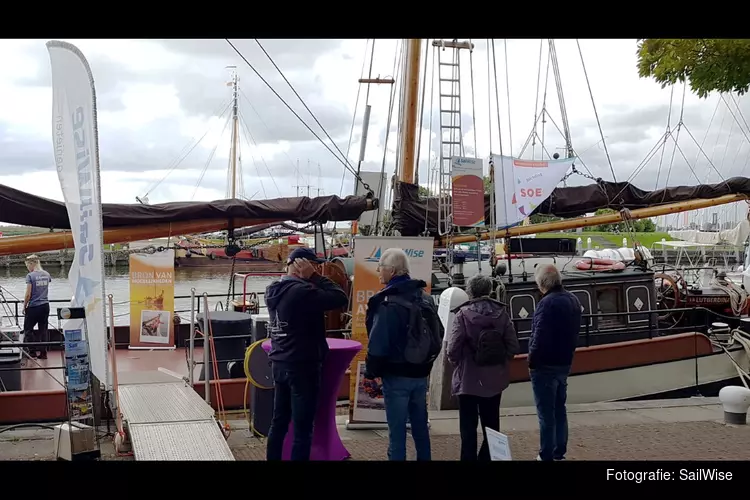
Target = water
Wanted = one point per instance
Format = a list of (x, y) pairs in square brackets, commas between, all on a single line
[(117, 283)]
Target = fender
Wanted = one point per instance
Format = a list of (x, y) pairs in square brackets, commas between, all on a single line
[(590, 264)]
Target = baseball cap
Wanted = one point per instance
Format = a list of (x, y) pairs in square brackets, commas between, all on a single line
[(304, 253)]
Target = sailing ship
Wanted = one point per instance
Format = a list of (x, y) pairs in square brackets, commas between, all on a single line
[(626, 350)]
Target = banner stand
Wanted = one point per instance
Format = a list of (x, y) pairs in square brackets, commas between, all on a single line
[(152, 301), (366, 404)]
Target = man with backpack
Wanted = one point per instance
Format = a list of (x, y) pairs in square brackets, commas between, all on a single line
[(480, 347), (405, 338)]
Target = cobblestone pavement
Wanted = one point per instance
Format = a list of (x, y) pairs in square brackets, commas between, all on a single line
[(668, 441)]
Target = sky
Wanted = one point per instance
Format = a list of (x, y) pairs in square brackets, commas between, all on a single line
[(157, 98)]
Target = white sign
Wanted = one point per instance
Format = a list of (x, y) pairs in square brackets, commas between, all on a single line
[(76, 148), (523, 185), (498, 444), (378, 184)]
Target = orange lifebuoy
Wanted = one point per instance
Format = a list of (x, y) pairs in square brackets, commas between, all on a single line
[(590, 264)]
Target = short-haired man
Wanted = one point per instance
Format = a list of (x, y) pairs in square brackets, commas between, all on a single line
[(296, 307), (404, 384), (552, 344)]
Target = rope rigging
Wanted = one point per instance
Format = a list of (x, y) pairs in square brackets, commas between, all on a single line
[(343, 161)]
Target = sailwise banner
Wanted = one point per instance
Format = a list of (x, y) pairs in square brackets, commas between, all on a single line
[(366, 396), (76, 148), (523, 185), (152, 300), (467, 186)]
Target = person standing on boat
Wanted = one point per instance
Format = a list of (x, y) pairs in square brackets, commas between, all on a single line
[(388, 329), (296, 307), (36, 306), (552, 344), (481, 345)]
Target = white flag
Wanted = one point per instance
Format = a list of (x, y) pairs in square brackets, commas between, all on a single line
[(76, 146), (523, 185)]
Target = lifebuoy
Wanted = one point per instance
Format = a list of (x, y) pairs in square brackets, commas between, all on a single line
[(590, 264)]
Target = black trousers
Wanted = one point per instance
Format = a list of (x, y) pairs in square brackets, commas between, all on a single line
[(295, 400), (36, 316), (472, 409)]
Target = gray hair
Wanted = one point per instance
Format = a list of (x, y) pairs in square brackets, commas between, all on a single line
[(479, 285), (396, 259), (547, 277)]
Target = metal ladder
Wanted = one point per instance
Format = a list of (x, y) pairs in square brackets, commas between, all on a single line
[(451, 133)]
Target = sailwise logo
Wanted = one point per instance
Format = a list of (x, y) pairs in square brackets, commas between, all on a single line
[(412, 253)]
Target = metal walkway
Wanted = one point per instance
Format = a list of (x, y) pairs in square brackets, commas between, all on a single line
[(167, 420)]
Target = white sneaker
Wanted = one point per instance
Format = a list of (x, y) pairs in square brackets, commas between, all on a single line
[(538, 458)]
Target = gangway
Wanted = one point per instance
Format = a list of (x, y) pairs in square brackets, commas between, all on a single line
[(165, 419), (161, 417)]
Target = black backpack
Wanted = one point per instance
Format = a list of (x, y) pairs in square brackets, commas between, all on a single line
[(424, 336), (490, 349)]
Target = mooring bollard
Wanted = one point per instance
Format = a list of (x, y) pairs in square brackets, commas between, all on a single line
[(736, 401)]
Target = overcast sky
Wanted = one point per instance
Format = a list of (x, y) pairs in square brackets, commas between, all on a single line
[(156, 98)]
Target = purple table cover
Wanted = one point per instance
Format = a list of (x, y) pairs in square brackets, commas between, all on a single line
[(326, 442)]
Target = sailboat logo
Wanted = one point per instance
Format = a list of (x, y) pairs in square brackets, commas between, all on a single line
[(374, 256), (276, 327)]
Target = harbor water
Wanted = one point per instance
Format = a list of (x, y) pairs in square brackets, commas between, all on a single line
[(210, 281)]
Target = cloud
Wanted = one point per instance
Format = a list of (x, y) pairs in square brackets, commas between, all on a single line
[(157, 98)]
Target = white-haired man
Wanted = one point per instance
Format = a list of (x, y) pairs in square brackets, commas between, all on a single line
[(552, 344), (405, 336)]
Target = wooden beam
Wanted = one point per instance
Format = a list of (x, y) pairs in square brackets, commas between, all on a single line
[(411, 105), (453, 44), (389, 81), (64, 239), (562, 225)]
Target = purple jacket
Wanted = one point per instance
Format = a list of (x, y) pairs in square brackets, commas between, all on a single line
[(470, 320)]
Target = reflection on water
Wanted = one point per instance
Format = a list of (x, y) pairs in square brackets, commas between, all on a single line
[(210, 281)]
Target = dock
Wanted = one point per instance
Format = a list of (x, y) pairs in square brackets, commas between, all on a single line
[(680, 429)]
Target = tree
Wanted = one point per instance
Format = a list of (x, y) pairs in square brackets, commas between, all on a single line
[(424, 192), (721, 65), (649, 226)]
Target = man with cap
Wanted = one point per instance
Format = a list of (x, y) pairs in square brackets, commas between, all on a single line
[(296, 307)]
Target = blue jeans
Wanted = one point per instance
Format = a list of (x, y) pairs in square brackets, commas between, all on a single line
[(406, 400), (295, 400), (550, 386)]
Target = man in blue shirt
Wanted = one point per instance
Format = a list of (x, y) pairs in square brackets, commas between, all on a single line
[(36, 306)]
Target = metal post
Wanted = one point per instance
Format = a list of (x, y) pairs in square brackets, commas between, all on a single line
[(113, 346), (191, 345), (206, 347)]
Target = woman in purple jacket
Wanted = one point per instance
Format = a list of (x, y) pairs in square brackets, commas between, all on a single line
[(481, 344)]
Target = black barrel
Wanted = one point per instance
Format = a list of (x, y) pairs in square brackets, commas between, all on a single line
[(10, 369), (226, 324)]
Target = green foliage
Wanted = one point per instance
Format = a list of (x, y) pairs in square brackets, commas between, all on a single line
[(721, 65), (424, 192)]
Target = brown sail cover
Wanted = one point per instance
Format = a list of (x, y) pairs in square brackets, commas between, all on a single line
[(17, 207), (409, 211)]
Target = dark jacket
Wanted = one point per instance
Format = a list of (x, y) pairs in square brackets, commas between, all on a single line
[(555, 329), (296, 310), (470, 320), (387, 324)]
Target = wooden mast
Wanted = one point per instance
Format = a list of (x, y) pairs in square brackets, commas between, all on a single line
[(235, 132), (409, 118)]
